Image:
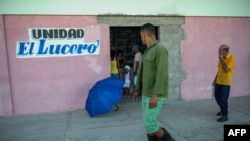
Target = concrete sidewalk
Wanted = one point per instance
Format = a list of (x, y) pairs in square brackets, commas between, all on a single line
[(185, 120)]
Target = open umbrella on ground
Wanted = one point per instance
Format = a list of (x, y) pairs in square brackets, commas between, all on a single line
[(103, 96)]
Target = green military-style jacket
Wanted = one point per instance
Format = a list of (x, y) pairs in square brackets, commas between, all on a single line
[(153, 71)]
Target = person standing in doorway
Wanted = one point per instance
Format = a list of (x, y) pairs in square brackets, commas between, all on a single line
[(223, 80), (152, 81), (114, 69), (137, 61), (126, 85), (121, 62)]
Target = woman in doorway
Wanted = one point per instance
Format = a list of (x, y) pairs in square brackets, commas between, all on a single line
[(121, 62)]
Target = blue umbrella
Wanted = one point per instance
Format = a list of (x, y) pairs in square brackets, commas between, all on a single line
[(103, 96)]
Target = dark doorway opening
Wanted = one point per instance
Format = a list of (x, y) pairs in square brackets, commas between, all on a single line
[(124, 38)]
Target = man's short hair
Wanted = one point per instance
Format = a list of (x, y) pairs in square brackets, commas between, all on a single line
[(225, 47), (149, 28)]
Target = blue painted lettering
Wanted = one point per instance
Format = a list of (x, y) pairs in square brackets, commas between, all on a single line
[(44, 48), (41, 49), (73, 49), (65, 49), (54, 49), (92, 47), (81, 48), (25, 48)]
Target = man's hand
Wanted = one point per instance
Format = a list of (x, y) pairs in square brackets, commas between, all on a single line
[(135, 96), (224, 66), (153, 101), (221, 56)]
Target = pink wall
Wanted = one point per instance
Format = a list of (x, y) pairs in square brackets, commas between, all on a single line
[(36, 85), (51, 84), (5, 91), (200, 54)]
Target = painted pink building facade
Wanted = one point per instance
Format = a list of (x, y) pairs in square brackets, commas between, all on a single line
[(200, 54), (37, 85)]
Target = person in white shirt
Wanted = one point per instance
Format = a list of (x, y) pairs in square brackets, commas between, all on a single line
[(126, 85), (137, 61)]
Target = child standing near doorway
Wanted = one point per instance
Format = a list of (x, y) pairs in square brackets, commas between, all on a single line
[(126, 85)]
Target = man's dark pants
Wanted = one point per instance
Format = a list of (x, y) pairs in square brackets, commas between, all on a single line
[(221, 94)]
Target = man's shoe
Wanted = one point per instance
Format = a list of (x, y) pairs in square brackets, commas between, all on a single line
[(219, 113), (223, 119)]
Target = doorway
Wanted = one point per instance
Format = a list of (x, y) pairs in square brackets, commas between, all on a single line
[(169, 32), (124, 38)]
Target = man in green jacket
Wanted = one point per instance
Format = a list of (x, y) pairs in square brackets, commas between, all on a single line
[(152, 81)]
